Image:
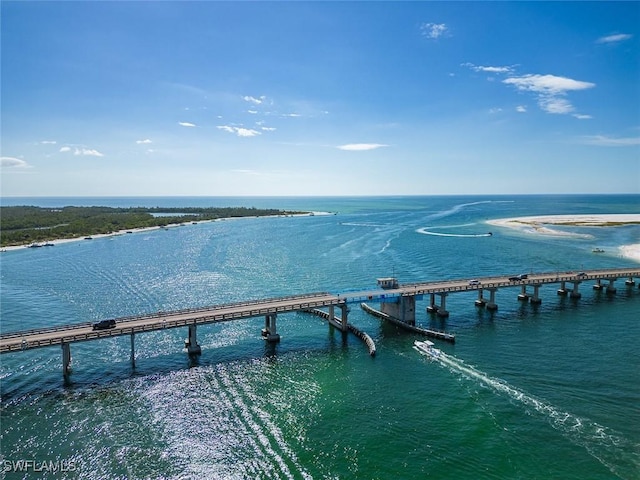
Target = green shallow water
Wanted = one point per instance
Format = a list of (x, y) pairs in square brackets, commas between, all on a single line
[(525, 393)]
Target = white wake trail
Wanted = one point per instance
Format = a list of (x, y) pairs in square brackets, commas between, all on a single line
[(612, 450)]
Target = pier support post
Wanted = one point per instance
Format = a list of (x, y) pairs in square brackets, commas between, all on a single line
[(480, 302), (133, 350), (341, 324), (575, 293), (344, 314), (66, 358), (432, 308), (492, 305), (610, 287), (401, 308), (191, 343), (523, 296), (536, 300), (269, 332), (442, 309), (563, 289)]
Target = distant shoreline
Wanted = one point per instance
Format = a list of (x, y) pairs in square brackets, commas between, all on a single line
[(119, 233), (542, 225)]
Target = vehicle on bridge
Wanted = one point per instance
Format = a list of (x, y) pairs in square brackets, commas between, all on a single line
[(522, 276), (104, 324)]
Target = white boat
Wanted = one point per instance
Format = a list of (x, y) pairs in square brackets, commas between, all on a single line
[(427, 348)]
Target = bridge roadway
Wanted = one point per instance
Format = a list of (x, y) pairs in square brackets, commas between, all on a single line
[(66, 334)]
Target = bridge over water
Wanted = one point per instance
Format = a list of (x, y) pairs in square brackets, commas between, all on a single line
[(397, 302)]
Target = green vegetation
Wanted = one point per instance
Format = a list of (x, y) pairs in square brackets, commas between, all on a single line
[(26, 224)]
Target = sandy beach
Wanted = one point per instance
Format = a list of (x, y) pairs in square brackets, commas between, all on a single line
[(547, 225)]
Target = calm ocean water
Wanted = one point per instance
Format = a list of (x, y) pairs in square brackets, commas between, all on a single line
[(527, 392)]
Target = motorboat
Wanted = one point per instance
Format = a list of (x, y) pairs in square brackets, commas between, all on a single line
[(597, 250), (427, 348)]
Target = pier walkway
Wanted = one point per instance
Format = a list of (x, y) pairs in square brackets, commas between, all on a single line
[(396, 301)]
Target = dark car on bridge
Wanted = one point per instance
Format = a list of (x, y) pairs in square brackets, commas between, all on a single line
[(522, 276), (104, 324)]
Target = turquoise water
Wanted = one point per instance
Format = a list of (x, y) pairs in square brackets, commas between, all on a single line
[(527, 392)]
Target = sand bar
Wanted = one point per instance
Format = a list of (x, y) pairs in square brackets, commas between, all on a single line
[(541, 224), (547, 225)]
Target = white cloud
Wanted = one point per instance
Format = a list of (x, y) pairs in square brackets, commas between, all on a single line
[(521, 109), (557, 105), (495, 110), (481, 68), (550, 89), (291, 115), (143, 142), (618, 37), (246, 132), (581, 116), (254, 100), (186, 124), (268, 129), (239, 131), (48, 142), (12, 162), (605, 141), (359, 147), (252, 112), (433, 30), (87, 152), (547, 84), (64, 149)]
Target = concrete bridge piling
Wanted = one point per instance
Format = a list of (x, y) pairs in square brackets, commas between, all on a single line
[(191, 343), (66, 358), (535, 299), (480, 302), (133, 350), (269, 332), (491, 304)]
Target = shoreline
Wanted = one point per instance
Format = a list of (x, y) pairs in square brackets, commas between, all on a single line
[(128, 231), (546, 225)]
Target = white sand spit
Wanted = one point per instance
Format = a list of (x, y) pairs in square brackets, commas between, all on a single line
[(541, 224)]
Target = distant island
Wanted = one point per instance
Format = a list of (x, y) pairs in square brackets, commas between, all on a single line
[(24, 225)]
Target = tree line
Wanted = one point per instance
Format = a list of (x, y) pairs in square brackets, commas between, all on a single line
[(21, 225)]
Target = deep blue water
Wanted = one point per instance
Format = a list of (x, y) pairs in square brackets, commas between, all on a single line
[(529, 392)]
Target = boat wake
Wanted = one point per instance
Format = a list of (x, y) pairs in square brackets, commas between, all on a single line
[(424, 231), (607, 446)]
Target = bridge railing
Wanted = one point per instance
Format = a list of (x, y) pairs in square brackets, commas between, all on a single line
[(36, 331), (160, 314), (164, 322)]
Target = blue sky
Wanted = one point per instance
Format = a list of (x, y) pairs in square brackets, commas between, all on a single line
[(319, 98)]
